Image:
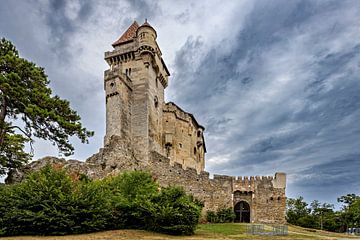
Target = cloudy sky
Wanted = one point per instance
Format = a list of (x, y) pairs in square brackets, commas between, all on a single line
[(275, 83)]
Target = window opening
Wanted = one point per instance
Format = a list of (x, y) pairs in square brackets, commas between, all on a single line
[(156, 101)]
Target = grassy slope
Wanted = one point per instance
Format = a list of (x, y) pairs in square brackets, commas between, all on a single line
[(205, 231)]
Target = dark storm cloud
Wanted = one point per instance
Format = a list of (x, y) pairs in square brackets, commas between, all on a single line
[(61, 24), (338, 171), (263, 27), (327, 181), (145, 9), (275, 83), (283, 95)]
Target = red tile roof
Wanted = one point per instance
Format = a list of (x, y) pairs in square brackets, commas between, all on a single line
[(128, 35)]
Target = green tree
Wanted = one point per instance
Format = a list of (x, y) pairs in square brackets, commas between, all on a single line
[(296, 210), (324, 215), (28, 109), (355, 210), (350, 214), (348, 199)]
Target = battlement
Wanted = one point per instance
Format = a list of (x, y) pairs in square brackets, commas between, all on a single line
[(239, 183)]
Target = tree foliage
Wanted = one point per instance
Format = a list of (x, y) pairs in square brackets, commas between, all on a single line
[(49, 202), (28, 109), (322, 215)]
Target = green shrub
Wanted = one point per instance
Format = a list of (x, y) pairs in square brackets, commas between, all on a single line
[(139, 204), (212, 217), (131, 192), (174, 212), (223, 215), (49, 202)]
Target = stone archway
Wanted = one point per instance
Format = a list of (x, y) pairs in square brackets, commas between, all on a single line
[(242, 212)]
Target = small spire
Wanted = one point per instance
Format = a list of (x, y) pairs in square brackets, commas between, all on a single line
[(146, 20)]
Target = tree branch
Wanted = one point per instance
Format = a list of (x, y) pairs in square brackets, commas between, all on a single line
[(28, 135)]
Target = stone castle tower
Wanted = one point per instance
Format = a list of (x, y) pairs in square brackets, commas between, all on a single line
[(143, 132), (169, 140), (135, 107)]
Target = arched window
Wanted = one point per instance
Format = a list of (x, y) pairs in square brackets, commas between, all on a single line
[(199, 133), (194, 150)]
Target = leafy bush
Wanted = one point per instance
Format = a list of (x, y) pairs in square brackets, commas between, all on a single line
[(49, 202), (139, 204), (174, 212), (212, 217), (223, 215)]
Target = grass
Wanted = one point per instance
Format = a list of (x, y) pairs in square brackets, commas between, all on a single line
[(228, 231)]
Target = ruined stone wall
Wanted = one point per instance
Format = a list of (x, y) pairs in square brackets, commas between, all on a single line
[(267, 202), (214, 193)]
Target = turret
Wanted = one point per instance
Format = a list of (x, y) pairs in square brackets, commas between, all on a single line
[(280, 180), (146, 36)]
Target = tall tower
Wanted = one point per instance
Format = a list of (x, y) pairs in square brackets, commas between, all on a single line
[(134, 87)]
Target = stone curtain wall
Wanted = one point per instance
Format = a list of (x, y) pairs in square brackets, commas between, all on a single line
[(266, 202)]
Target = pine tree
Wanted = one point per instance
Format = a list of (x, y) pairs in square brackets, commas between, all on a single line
[(28, 109)]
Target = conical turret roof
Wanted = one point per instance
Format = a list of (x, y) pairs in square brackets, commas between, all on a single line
[(146, 24)]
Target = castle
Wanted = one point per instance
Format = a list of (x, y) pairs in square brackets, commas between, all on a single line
[(143, 132), (135, 107)]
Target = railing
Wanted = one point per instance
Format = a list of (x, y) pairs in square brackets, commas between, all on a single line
[(260, 229), (353, 231)]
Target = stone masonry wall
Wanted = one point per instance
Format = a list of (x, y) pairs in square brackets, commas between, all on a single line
[(267, 202), (183, 138)]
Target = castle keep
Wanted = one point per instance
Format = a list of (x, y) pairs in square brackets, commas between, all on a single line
[(135, 107), (143, 132)]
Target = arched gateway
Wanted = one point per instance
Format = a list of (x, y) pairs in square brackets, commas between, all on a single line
[(242, 212)]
